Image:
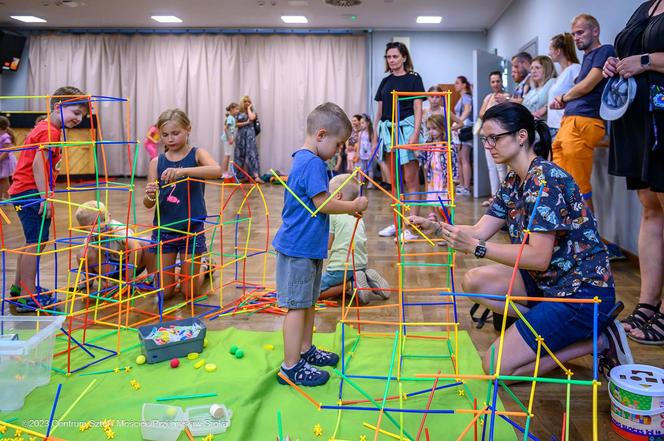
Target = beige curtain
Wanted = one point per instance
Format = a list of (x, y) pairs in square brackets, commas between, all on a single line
[(285, 75)]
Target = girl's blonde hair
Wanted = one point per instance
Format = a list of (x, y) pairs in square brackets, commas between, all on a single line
[(176, 115), (89, 212), (547, 65), (244, 103), (437, 121)]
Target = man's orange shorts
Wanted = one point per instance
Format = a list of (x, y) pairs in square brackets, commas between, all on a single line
[(573, 148)]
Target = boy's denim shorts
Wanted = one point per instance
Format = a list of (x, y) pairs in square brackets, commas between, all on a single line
[(562, 324), (298, 281), (31, 220)]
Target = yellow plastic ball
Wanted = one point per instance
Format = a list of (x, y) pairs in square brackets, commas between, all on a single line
[(140, 359)]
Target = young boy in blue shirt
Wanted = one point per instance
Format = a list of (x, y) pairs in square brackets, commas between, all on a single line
[(301, 243)]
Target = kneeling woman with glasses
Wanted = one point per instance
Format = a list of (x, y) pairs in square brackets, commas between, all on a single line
[(563, 256)]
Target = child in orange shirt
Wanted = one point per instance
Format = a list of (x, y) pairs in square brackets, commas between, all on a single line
[(33, 182)]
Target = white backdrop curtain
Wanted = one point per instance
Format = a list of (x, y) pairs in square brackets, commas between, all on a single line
[(285, 75)]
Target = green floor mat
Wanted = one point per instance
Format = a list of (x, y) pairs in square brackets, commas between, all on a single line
[(249, 388)]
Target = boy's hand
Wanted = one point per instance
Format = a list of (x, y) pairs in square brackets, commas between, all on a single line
[(46, 206), (170, 175), (425, 225), (361, 204), (151, 190)]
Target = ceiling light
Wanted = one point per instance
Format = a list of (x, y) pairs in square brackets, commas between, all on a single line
[(166, 19), (294, 19), (429, 19), (28, 19)]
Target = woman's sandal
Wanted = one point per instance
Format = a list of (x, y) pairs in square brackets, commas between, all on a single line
[(653, 331), (638, 319)]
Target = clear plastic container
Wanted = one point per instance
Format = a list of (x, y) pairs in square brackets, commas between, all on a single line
[(26, 356), (201, 422), (160, 422)]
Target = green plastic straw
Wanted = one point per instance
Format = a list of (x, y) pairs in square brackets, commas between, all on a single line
[(514, 397), (292, 192), (368, 397), (546, 380), (279, 426), (389, 374), (185, 397)]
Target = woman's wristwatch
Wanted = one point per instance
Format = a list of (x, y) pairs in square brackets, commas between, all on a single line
[(480, 249)]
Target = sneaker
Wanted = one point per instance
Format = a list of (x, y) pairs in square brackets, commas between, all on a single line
[(363, 288), (377, 281), (462, 191), (304, 375), (15, 290), (319, 357), (28, 304), (615, 253), (408, 235), (617, 351), (388, 231)]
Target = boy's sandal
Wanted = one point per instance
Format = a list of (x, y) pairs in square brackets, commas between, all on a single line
[(653, 331), (638, 319)]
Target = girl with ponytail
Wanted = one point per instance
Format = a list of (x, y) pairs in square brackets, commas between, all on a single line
[(563, 255)]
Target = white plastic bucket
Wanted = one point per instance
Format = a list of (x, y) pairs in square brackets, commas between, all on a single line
[(637, 401)]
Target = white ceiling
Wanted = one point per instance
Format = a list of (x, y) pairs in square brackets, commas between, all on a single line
[(472, 15)]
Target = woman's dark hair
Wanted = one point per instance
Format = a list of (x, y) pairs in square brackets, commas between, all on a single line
[(357, 116), (464, 80), (565, 43), (496, 72), (513, 117), (403, 50)]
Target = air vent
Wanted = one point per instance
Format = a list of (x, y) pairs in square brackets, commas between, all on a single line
[(343, 3)]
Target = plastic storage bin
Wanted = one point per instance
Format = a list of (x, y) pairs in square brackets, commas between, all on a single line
[(155, 353), (161, 422), (201, 422), (26, 355)]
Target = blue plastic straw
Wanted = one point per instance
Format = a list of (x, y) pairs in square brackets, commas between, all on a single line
[(55, 404)]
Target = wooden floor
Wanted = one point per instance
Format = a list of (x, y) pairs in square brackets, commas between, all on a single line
[(550, 399)]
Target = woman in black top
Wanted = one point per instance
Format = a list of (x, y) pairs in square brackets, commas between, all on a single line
[(637, 152), (402, 78)]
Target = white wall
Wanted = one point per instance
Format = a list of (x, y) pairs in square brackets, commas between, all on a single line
[(618, 211), (439, 57)]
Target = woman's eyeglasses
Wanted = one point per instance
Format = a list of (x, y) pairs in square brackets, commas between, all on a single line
[(492, 139)]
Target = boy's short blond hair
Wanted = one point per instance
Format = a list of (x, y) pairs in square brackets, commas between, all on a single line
[(90, 212), (350, 191), (330, 117)]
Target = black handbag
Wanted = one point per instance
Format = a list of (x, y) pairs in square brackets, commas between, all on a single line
[(466, 134), (257, 126)]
